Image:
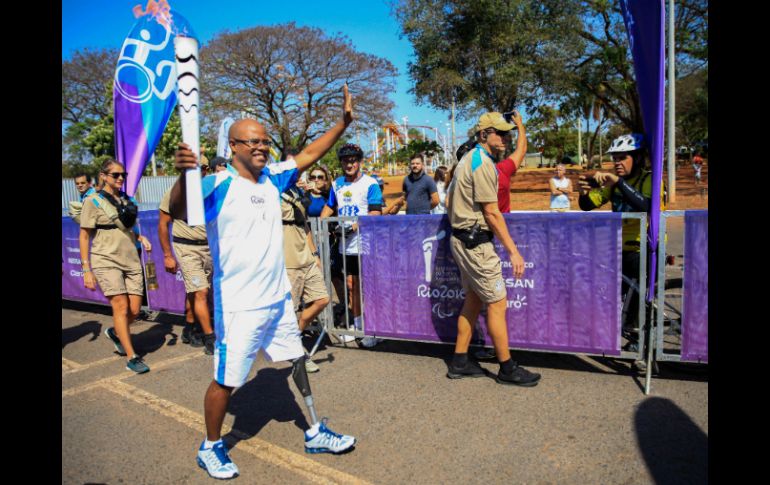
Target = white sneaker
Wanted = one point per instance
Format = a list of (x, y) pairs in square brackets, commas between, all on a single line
[(320, 439), (345, 339), (216, 461), (311, 366), (369, 342)]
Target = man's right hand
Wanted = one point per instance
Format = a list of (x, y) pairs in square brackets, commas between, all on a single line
[(517, 265), (170, 264), (184, 158), (583, 185)]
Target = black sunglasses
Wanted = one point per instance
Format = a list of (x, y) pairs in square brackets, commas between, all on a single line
[(317, 177), (117, 175)]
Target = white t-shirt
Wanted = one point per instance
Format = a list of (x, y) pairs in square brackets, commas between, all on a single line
[(245, 233), (560, 201), (441, 207), (354, 199)]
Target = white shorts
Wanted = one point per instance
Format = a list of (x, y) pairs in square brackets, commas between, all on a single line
[(241, 335)]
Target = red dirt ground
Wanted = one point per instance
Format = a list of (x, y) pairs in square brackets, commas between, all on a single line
[(529, 188)]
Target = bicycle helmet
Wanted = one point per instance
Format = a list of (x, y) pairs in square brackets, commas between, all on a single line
[(350, 149), (627, 143)]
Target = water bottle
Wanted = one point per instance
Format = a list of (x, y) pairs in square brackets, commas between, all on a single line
[(149, 271)]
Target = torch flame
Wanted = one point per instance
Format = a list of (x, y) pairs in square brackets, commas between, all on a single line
[(161, 11)]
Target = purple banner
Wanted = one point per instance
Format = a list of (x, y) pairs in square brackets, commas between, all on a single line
[(695, 318), (144, 93), (169, 297), (644, 25), (72, 274), (568, 301)]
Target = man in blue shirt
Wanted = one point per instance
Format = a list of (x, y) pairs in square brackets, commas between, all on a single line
[(420, 189)]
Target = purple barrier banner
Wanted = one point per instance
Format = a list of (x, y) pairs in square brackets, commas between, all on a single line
[(72, 278), (169, 297), (567, 301), (695, 318)]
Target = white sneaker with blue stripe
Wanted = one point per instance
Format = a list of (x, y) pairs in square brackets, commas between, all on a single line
[(320, 439), (216, 461)]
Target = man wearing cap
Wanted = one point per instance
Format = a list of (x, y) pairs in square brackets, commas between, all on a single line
[(192, 251), (475, 218)]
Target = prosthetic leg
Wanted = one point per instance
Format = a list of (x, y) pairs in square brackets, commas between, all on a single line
[(299, 374)]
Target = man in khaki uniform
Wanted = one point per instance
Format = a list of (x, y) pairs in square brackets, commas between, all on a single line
[(192, 250), (303, 265), (476, 218)]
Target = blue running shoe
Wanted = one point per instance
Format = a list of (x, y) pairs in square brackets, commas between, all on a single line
[(320, 439), (110, 333), (216, 461), (137, 365)]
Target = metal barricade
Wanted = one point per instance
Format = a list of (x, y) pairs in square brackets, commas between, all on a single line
[(670, 299), (321, 236)]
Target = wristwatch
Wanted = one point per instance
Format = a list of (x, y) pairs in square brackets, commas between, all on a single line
[(315, 253)]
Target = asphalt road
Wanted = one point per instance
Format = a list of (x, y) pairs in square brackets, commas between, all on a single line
[(587, 421)]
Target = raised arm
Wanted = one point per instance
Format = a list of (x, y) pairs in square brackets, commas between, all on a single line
[(521, 141), (319, 147), (184, 159)]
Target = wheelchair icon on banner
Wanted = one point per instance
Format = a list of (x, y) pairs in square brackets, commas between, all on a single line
[(144, 76)]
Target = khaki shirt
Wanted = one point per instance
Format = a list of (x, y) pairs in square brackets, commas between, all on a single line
[(111, 248), (474, 183), (295, 247), (179, 228)]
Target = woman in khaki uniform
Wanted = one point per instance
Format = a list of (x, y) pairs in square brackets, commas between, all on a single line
[(113, 260)]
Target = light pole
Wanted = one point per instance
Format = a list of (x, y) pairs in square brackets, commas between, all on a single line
[(406, 129)]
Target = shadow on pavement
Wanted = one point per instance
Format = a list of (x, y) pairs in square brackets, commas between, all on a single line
[(73, 334), (152, 338), (265, 398), (675, 450)]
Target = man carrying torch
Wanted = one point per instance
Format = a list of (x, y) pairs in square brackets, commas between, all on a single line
[(253, 309)]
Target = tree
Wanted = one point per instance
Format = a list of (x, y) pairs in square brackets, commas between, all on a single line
[(692, 108), (290, 78), (490, 55), (427, 148)]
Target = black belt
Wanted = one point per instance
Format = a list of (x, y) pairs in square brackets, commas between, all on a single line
[(470, 241), (106, 226), (192, 242)]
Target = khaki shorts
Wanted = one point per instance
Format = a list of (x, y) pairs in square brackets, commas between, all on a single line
[(480, 270), (115, 281), (307, 284), (196, 264)]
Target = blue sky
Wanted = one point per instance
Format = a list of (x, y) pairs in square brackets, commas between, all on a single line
[(368, 23)]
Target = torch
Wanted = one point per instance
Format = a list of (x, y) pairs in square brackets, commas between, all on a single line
[(186, 50)]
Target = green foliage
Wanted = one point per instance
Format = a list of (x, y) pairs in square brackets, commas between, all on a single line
[(489, 55), (426, 148)]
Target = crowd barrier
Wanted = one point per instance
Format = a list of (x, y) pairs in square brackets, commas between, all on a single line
[(692, 307), (568, 301)]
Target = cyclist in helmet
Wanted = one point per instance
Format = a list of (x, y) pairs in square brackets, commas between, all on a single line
[(629, 189), (353, 194)]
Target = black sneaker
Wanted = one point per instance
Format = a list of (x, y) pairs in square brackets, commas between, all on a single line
[(519, 377), (471, 369), (110, 333), (208, 343), (186, 333), (196, 338)]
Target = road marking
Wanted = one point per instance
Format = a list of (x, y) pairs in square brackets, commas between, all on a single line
[(69, 365), (69, 368), (311, 470), (125, 375)]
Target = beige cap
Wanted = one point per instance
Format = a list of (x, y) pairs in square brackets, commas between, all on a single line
[(494, 120)]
